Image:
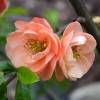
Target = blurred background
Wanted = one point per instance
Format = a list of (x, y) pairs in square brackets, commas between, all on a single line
[(59, 13)]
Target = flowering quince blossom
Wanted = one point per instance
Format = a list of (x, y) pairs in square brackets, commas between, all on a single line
[(34, 45), (3, 5), (78, 52)]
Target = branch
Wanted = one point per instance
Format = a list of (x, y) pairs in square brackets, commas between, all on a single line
[(10, 79)]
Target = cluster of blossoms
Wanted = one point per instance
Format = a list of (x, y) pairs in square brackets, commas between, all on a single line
[(36, 46)]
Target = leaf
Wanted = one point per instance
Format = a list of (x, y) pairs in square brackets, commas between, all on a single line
[(52, 17), (1, 78), (15, 11), (3, 90), (26, 76), (5, 27), (6, 66), (24, 92), (3, 98), (2, 40)]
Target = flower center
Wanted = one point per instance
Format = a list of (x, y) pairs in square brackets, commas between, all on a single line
[(36, 46), (76, 54)]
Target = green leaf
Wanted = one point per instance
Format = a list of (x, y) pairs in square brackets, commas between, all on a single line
[(26, 76), (5, 27), (15, 11), (3, 90), (6, 66), (2, 40), (52, 17), (24, 92), (3, 98), (2, 79)]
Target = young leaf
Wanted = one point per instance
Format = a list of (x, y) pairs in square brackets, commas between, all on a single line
[(1, 78), (24, 92), (52, 16), (6, 66), (26, 76)]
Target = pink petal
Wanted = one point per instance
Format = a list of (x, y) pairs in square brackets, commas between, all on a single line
[(36, 27), (89, 46), (52, 39), (72, 27), (46, 74), (19, 55), (75, 70), (8, 50), (81, 67), (43, 22), (69, 55), (63, 67), (15, 39), (20, 24), (86, 61), (58, 73), (66, 68), (41, 64), (65, 42), (78, 40)]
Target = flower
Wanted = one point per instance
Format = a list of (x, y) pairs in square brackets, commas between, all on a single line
[(34, 45), (78, 52), (3, 5)]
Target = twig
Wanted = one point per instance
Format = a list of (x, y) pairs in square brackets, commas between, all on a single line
[(10, 79), (79, 19)]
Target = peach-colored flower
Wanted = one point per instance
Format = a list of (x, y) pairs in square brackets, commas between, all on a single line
[(35, 46), (3, 5), (78, 52)]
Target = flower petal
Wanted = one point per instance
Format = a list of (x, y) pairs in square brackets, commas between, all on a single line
[(52, 39), (65, 42), (69, 55), (41, 64), (15, 39), (59, 73), (20, 24), (46, 74), (89, 46), (78, 40), (42, 21), (19, 55), (74, 27), (63, 67), (75, 70), (8, 50), (81, 67), (86, 61)]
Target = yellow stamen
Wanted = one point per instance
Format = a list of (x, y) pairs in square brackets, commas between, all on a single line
[(36, 46), (76, 54)]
